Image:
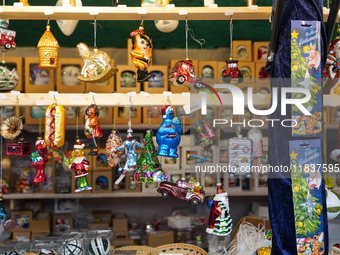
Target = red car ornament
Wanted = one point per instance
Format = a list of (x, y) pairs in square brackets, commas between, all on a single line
[(191, 191), (182, 74), (232, 74), (7, 39)]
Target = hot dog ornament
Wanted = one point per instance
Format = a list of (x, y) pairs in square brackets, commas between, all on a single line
[(55, 119), (141, 52)]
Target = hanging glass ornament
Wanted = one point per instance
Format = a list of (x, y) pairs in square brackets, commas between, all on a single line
[(48, 50), (68, 26), (114, 141), (39, 160), (92, 128), (8, 224), (141, 52), (9, 77), (11, 127), (7, 39)]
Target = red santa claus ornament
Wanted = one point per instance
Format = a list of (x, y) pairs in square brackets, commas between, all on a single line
[(39, 160), (220, 223)]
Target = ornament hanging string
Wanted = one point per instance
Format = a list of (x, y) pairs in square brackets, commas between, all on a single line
[(114, 119), (183, 151), (95, 31), (231, 36), (218, 146), (17, 106), (192, 35), (77, 122), (39, 135), (149, 116)]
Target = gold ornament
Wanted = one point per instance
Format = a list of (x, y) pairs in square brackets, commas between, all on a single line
[(264, 251), (24, 2), (295, 67), (296, 189), (97, 64), (48, 50), (318, 211), (300, 224)]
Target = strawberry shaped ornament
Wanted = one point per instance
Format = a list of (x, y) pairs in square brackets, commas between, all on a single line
[(39, 160), (169, 133)]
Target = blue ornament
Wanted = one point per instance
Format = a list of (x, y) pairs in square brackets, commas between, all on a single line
[(169, 133), (3, 212), (210, 202)]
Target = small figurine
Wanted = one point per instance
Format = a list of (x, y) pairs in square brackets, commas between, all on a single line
[(206, 136), (131, 156), (191, 191), (182, 74), (39, 160), (169, 133), (232, 74), (80, 166), (7, 39), (141, 52), (24, 183), (335, 249), (98, 65), (92, 128), (220, 223)]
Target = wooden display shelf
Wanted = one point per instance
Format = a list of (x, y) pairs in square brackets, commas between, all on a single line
[(131, 13), (114, 194)]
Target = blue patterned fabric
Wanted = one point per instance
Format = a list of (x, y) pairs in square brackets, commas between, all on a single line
[(280, 197)]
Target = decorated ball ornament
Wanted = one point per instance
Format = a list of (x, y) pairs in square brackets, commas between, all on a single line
[(100, 246), (9, 78), (263, 251), (333, 204), (296, 188), (300, 224), (72, 246), (68, 26), (166, 26), (9, 225), (11, 127)]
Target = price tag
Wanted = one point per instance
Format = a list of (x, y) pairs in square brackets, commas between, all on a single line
[(15, 93), (115, 94), (121, 6), (142, 11), (185, 94), (229, 13), (253, 7), (131, 94), (262, 96), (40, 103), (77, 98), (18, 4), (48, 12), (183, 12), (94, 95), (170, 6), (66, 5), (94, 13), (213, 6), (167, 93), (53, 93), (143, 93)]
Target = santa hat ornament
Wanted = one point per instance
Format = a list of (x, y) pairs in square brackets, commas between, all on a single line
[(335, 154), (79, 145), (165, 109)]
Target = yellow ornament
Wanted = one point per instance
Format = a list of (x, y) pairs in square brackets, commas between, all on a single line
[(24, 2), (48, 50), (318, 211), (295, 67), (296, 189), (264, 251), (315, 91), (300, 224)]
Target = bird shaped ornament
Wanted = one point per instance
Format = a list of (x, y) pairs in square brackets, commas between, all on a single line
[(98, 65), (68, 26), (39, 160)]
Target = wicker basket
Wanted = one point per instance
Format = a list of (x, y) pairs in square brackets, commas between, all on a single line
[(141, 250), (181, 248)]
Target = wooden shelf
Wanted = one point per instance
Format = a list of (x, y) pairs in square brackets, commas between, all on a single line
[(131, 13), (115, 194)]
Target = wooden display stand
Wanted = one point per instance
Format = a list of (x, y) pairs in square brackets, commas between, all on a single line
[(18, 63), (203, 64), (97, 164), (103, 87), (154, 119), (32, 88), (221, 66), (151, 89), (96, 188), (130, 185), (69, 88), (119, 86), (242, 50)]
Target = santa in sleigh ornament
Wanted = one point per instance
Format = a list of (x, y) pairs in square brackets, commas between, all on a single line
[(98, 65)]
